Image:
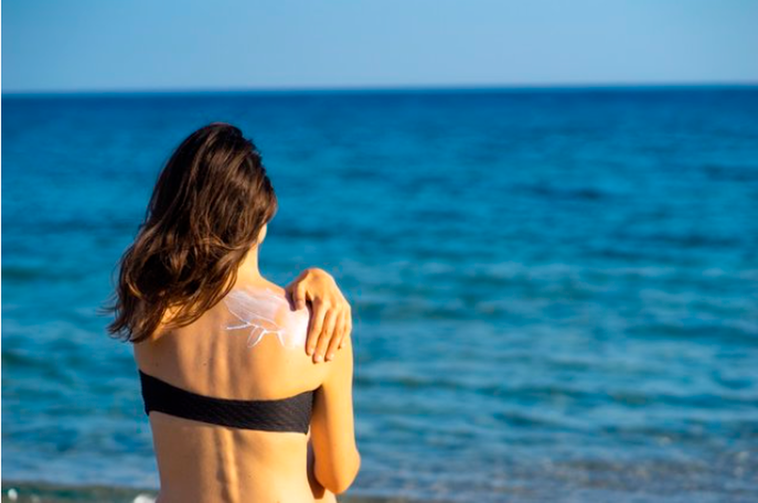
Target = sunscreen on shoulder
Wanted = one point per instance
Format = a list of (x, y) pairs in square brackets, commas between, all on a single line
[(262, 312)]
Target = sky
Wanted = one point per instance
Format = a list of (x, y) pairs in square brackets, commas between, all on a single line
[(165, 45)]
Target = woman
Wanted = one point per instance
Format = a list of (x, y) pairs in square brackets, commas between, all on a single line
[(244, 403)]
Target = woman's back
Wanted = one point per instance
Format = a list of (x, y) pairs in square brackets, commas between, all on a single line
[(249, 346), (237, 367)]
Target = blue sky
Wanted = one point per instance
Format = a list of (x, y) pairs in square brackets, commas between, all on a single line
[(103, 45)]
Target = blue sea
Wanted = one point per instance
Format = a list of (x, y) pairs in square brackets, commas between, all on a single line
[(555, 291)]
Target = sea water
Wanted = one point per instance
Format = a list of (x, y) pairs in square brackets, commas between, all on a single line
[(555, 292)]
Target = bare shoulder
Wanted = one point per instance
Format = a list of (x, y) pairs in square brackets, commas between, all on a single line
[(263, 286), (265, 308), (275, 334)]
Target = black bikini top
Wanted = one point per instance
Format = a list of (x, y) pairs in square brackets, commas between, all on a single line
[(287, 414)]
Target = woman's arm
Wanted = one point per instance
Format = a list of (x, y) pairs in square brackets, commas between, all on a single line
[(331, 320), (336, 458)]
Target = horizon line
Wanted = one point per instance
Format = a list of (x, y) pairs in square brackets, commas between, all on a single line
[(383, 88)]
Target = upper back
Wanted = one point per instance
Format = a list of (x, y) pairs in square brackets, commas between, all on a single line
[(249, 346)]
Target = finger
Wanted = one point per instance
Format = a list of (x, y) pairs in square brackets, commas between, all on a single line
[(348, 329), (298, 296), (315, 326), (334, 344), (289, 291), (326, 335), (345, 329)]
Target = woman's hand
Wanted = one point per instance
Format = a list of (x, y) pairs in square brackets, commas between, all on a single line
[(331, 319)]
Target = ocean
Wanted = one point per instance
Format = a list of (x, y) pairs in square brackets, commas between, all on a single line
[(555, 291)]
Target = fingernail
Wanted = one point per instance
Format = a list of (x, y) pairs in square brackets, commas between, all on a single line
[(330, 356), (317, 358), (309, 351)]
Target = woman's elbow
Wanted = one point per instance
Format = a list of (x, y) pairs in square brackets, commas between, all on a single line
[(340, 480)]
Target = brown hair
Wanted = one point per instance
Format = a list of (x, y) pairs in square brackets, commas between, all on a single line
[(208, 206)]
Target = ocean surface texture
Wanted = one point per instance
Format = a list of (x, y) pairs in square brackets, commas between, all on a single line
[(555, 291)]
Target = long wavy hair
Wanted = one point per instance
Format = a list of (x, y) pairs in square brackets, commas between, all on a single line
[(210, 203)]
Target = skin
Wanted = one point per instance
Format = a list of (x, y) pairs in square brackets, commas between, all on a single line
[(331, 322), (203, 462), (331, 318)]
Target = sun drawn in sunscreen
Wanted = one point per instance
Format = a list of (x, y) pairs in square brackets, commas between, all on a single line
[(266, 312)]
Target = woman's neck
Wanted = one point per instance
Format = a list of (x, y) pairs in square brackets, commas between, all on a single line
[(248, 271)]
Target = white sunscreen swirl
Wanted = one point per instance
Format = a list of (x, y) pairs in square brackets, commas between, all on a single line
[(266, 312)]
